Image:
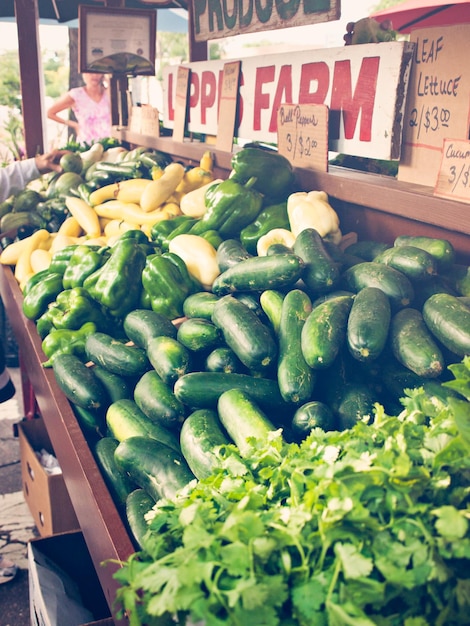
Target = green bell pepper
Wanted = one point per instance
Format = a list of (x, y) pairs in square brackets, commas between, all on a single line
[(162, 232), (84, 261), (38, 298), (61, 259), (117, 284), (272, 216), (74, 307), (166, 283), (65, 341), (274, 173), (213, 237), (230, 206)]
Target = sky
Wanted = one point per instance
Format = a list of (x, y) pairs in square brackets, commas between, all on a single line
[(328, 34)]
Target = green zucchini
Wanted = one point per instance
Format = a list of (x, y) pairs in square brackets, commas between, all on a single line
[(169, 358), (200, 437), (125, 419), (321, 273), (155, 467), (198, 334), (441, 249), (156, 399), (141, 325), (138, 504), (271, 303), (243, 331), (448, 319), (243, 419), (412, 261), (393, 283), (78, 382), (223, 359), (313, 414), (117, 386), (117, 481), (116, 356), (413, 344), (368, 324), (230, 253), (324, 331), (201, 390), (367, 249), (200, 304), (295, 377), (259, 273)]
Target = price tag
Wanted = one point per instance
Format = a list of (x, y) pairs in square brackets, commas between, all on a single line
[(181, 102), (228, 106), (453, 180), (302, 135)]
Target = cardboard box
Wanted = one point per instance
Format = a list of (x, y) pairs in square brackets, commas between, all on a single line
[(46, 494), (64, 589)]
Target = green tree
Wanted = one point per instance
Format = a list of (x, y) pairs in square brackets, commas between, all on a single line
[(10, 80)]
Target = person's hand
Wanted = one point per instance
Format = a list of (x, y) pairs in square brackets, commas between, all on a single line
[(49, 162)]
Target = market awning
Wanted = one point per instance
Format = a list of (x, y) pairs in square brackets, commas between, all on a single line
[(414, 14)]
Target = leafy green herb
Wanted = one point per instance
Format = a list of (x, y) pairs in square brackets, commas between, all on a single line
[(369, 526)]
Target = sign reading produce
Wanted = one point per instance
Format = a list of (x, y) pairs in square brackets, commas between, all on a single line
[(363, 86), (213, 19)]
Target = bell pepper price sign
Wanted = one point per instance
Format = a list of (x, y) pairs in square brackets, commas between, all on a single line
[(228, 106), (302, 132), (181, 106), (453, 180)]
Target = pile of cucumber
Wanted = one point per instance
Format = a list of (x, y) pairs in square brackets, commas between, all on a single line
[(302, 338)]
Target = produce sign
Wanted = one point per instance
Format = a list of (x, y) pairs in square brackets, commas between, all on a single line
[(364, 87), (454, 174), (303, 135), (212, 20)]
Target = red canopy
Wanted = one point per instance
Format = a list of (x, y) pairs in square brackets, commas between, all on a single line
[(413, 14)]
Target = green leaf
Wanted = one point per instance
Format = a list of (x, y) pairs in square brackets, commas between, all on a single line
[(353, 563), (451, 523)]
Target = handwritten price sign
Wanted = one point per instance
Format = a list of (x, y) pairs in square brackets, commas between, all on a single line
[(302, 132), (453, 180)]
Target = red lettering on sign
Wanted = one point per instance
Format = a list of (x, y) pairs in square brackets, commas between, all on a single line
[(208, 93), (283, 94), (317, 74), (171, 108), (261, 101), (363, 99), (194, 93)]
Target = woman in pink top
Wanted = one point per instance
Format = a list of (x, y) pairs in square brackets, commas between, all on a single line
[(91, 106)]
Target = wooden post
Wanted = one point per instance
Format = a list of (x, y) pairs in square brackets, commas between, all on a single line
[(198, 50), (27, 21)]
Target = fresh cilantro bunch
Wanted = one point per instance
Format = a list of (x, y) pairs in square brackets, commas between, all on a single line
[(364, 527)]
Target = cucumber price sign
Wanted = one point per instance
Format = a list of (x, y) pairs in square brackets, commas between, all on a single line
[(303, 135), (213, 19), (453, 180)]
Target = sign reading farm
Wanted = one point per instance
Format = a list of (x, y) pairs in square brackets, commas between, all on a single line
[(364, 87), (213, 19)]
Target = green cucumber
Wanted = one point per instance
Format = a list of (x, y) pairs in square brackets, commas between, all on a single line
[(295, 377), (117, 386), (367, 249), (155, 467), (229, 253), (117, 481), (355, 402), (331, 295), (91, 422), (200, 436), (413, 344), (259, 273), (412, 261), (271, 303), (324, 331), (243, 419), (116, 356), (200, 304), (321, 272), (313, 414), (441, 249), (157, 400), (393, 283), (125, 419), (223, 359), (243, 331), (138, 504), (368, 324), (141, 325), (458, 276), (198, 334), (448, 319), (78, 382), (169, 358), (201, 390)]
